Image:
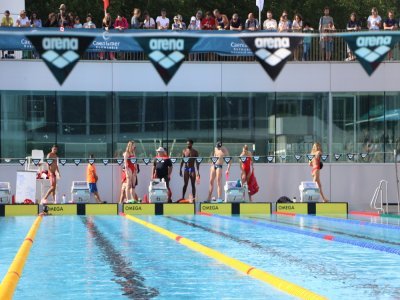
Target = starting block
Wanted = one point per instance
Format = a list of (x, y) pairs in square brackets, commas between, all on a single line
[(309, 191), (158, 192), (80, 192), (233, 193), (5, 193)]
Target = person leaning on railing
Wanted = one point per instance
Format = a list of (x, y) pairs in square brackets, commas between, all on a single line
[(390, 24), (297, 26), (374, 21), (352, 25), (7, 21), (251, 23), (148, 22), (270, 24), (326, 26)]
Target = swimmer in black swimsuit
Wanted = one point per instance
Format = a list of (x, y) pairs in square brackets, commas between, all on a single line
[(216, 170), (189, 160)]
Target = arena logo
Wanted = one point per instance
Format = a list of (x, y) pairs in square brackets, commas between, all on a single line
[(272, 52), (60, 53), (166, 54), (371, 50)]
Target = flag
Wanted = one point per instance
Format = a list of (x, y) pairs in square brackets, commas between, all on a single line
[(260, 4), (106, 4)]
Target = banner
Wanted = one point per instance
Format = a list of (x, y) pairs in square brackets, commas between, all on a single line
[(166, 53), (260, 4), (372, 48), (272, 52), (60, 53)]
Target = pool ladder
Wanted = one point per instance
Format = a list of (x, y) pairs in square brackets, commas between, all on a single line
[(380, 192)]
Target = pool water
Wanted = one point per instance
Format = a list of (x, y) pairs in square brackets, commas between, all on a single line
[(103, 257)]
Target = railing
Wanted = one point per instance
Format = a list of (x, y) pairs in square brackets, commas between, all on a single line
[(339, 53)]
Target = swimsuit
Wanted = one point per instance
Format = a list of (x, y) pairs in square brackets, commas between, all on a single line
[(317, 167), (247, 165), (130, 164), (216, 166), (190, 170)]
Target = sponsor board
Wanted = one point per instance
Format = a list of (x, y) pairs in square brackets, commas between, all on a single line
[(331, 208), (139, 209), (296, 208), (62, 209), (21, 210), (217, 208), (178, 209)]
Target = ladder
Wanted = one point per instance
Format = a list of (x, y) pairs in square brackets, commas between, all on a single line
[(380, 192)]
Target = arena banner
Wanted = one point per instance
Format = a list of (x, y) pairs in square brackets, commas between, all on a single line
[(272, 52), (166, 53), (60, 53), (371, 48)]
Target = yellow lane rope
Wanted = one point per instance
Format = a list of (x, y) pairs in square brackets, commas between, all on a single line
[(14, 273), (278, 283)]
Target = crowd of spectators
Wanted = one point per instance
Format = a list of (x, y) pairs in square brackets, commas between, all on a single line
[(216, 20)]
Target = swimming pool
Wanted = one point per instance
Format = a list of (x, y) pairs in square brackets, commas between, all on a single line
[(103, 257)]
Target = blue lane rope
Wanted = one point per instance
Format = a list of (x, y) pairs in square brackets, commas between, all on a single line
[(354, 242), (357, 222)]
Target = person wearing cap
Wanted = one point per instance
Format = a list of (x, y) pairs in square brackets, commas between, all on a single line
[(192, 25), (162, 21), (178, 23), (162, 168), (216, 170)]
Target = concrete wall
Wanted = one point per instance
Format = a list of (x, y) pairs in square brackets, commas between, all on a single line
[(196, 77), (353, 183)]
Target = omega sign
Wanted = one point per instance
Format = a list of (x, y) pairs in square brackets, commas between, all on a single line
[(167, 44), (60, 44)]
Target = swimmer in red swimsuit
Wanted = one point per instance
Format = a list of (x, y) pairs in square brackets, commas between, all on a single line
[(130, 171), (315, 163), (246, 166)]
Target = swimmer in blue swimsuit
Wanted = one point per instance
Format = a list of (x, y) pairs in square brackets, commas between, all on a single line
[(216, 170), (189, 156)]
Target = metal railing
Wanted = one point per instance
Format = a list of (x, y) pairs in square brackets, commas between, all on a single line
[(339, 53), (380, 192)]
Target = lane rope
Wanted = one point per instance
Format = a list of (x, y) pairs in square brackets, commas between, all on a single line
[(349, 241), (14, 273), (280, 284)]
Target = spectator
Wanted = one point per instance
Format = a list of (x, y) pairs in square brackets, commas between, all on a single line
[(92, 178), (121, 23), (162, 169), (221, 20), (162, 21), (270, 24), (71, 20), (135, 21), (297, 26), (199, 19), (178, 23), (352, 25), (35, 21), (7, 21), (235, 23), (307, 42), (325, 28), (77, 23), (390, 24), (23, 20), (252, 23), (208, 23), (192, 24), (89, 24), (374, 21), (284, 23), (51, 21), (148, 22), (62, 16), (107, 25)]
